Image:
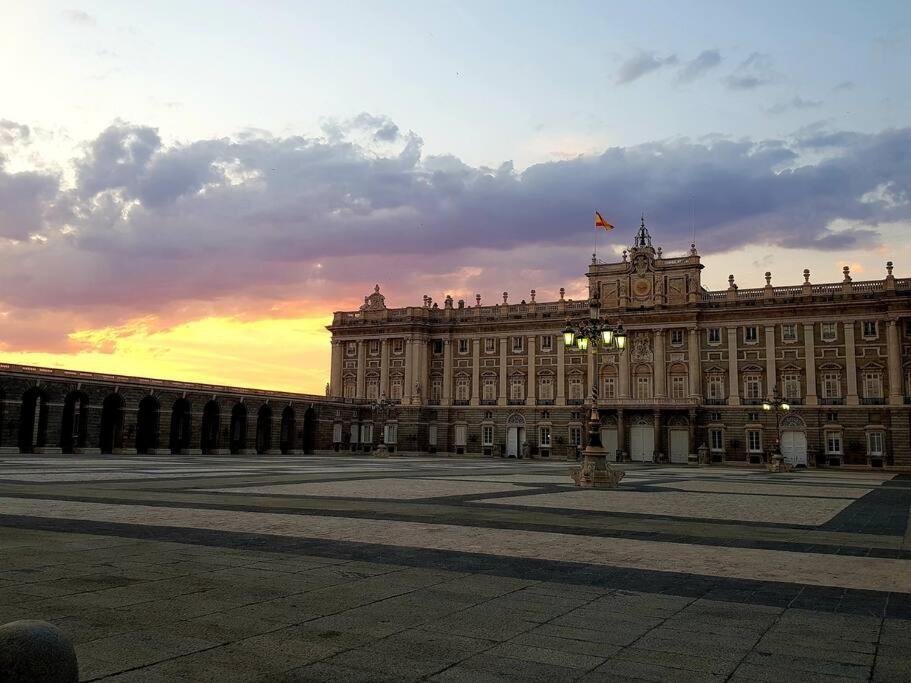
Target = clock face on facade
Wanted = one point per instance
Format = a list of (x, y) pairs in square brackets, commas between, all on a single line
[(642, 287)]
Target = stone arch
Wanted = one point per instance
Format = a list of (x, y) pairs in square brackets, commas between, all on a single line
[(287, 435), (238, 438), (264, 429), (110, 435), (515, 420), (678, 421), (181, 425), (793, 422), (211, 421), (33, 419), (75, 421), (148, 420), (309, 430)]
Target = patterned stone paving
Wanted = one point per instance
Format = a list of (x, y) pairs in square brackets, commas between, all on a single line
[(312, 568)]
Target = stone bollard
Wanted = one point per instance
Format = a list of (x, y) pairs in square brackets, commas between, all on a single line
[(36, 651)]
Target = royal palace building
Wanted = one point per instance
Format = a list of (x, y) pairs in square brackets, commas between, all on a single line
[(498, 380)]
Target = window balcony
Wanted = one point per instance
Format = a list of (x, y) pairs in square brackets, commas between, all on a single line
[(752, 401), (575, 401), (872, 400), (515, 402), (460, 402), (831, 401), (715, 401), (545, 402), (433, 401), (794, 400), (488, 401)]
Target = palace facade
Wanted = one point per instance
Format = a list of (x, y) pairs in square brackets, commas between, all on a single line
[(498, 380)]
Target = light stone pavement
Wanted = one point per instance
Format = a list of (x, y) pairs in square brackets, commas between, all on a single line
[(314, 568)]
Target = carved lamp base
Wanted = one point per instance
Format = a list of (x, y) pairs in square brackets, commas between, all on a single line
[(595, 472)]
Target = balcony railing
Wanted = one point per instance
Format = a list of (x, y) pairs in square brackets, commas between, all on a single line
[(515, 402), (545, 402), (460, 402), (715, 401), (872, 401), (752, 401), (832, 401), (575, 401), (488, 401)]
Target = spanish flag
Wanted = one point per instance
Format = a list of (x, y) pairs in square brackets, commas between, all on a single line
[(601, 223)]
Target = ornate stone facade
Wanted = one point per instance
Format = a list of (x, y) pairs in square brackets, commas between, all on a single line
[(487, 380)]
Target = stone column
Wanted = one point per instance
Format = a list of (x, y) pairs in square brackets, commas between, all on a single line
[(733, 374), (335, 378), (621, 437), (421, 374), (624, 373), (532, 372), (501, 400), (475, 372), (851, 363), (694, 366), (692, 417), (361, 369), (384, 368), (447, 372), (771, 373), (409, 373), (561, 372), (659, 446), (660, 367), (895, 364), (809, 352)]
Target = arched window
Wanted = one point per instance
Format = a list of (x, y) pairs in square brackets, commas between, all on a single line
[(463, 388), (517, 388), (576, 388), (489, 388), (395, 387), (546, 387)]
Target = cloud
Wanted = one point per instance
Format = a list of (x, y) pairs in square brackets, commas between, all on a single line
[(79, 17), (641, 64), (237, 225), (794, 103), (844, 85), (753, 72), (698, 66), (12, 133)]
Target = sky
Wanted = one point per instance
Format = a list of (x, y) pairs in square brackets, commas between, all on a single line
[(189, 190)]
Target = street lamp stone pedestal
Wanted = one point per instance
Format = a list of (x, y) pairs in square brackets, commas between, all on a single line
[(381, 451), (595, 473)]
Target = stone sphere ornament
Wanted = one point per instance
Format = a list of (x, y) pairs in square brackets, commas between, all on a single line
[(32, 651)]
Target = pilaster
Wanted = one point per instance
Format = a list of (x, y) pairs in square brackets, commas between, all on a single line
[(809, 352), (660, 368), (695, 373), (475, 372), (501, 399), (851, 363), (733, 374), (447, 372), (361, 368), (384, 368), (532, 372), (895, 364), (771, 374), (561, 372)]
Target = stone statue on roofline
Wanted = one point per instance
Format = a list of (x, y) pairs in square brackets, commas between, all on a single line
[(375, 301)]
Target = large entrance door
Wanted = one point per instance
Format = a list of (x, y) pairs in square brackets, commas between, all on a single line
[(642, 443), (794, 447), (609, 441), (680, 445), (515, 437)]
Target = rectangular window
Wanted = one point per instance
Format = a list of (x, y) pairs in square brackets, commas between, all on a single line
[(351, 349), (460, 435), (374, 347), (752, 387), (487, 435), (753, 417), (438, 346), (788, 332), (373, 388), (355, 433), (875, 443), (643, 387), (754, 441), (547, 343), (870, 329), (716, 439), (463, 346), (714, 335), (833, 443), (714, 388), (489, 389), (677, 337), (828, 332), (873, 385), (678, 387), (518, 344), (575, 435), (436, 389), (395, 389), (432, 435), (517, 389), (546, 388), (391, 434), (610, 387), (751, 334), (715, 416), (831, 385), (337, 432), (790, 384), (367, 433), (398, 346), (463, 388), (490, 345), (575, 388), (544, 440)]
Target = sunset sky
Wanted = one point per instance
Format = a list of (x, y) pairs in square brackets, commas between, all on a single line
[(189, 189)]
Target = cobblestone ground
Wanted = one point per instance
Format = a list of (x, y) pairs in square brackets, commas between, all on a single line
[(310, 568)]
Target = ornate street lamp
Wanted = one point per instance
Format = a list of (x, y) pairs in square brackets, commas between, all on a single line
[(600, 334), (779, 405), (380, 409)]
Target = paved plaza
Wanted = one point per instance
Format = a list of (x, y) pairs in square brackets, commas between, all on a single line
[(334, 568)]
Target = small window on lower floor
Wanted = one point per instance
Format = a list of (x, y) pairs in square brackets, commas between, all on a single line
[(716, 439), (833, 443), (432, 435), (544, 440), (875, 443), (460, 434), (575, 435), (754, 441), (487, 435)]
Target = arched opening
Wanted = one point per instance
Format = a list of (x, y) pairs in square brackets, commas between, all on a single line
[(75, 421), (210, 423), (238, 428), (33, 420), (309, 431), (287, 430), (147, 423), (180, 425), (111, 436), (264, 430)]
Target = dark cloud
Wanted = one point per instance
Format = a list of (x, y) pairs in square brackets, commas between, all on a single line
[(12, 133), (641, 64), (153, 226), (703, 62), (794, 103), (753, 72), (844, 85)]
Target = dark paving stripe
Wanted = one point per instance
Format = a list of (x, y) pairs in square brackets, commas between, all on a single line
[(566, 527), (883, 510), (772, 593)]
